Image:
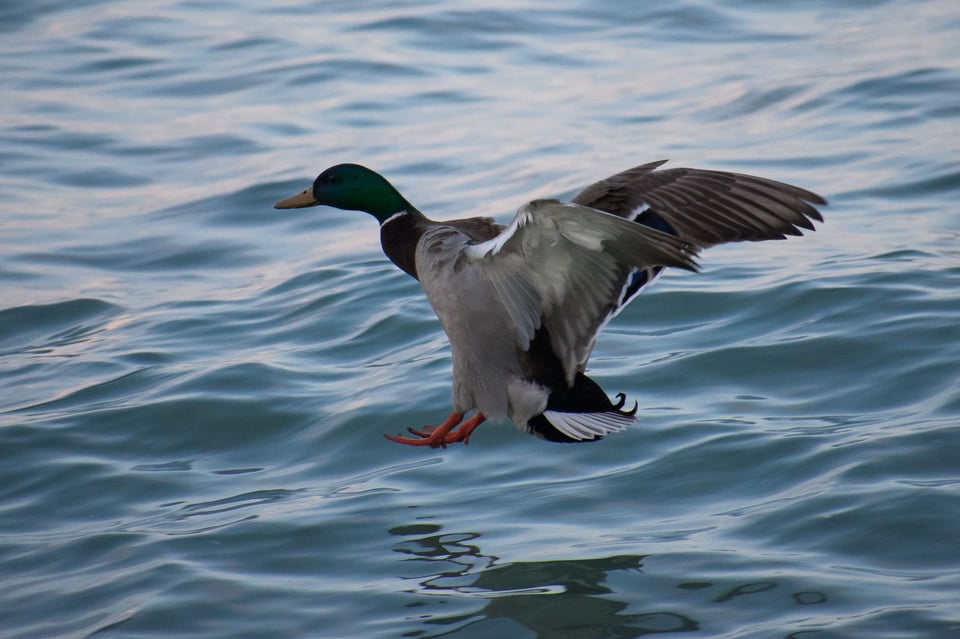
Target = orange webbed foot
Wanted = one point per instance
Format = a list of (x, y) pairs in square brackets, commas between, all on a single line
[(451, 431)]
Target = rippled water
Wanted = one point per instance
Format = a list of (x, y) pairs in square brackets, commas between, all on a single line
[(193, 386)]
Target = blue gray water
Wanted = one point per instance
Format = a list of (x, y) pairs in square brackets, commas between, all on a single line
[(193, 386)]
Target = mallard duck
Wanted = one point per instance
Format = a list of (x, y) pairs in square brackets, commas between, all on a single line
[(522, 304)]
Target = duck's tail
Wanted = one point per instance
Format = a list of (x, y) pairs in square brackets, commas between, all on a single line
[(581, 413)]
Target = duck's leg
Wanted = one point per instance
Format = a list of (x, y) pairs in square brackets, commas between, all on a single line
[(463, 433), (445, 433)]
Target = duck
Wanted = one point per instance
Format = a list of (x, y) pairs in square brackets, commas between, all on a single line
[(523, 303)]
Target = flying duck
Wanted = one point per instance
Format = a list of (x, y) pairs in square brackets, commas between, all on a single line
[(522, 304)]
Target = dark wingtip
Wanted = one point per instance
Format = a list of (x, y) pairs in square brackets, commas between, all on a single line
[(691, 252), (815, 198)]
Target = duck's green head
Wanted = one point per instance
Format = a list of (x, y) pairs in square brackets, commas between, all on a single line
[(352, 187)]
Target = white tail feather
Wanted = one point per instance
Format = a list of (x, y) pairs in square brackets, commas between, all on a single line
[(587, 426)]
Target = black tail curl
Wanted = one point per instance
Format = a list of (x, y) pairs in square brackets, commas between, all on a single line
[(585, 396), (623, 400)]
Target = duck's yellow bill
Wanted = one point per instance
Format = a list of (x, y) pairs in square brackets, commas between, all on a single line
[(298, 201)]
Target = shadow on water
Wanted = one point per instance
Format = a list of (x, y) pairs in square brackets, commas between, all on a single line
[(550, 598)]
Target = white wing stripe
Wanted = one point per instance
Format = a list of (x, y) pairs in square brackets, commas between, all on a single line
[(493, 246), (641, 208)]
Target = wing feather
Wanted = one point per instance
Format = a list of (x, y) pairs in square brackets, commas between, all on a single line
[(708, 207), (565, 266)]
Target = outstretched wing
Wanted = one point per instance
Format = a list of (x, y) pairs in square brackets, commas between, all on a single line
[(566, 266), (705, 207)]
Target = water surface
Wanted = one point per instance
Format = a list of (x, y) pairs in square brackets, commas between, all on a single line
[(193, 386)]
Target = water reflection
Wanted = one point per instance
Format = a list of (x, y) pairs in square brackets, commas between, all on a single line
[(561, 598), (745, 589)]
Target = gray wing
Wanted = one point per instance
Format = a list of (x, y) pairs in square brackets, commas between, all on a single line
[(707, 207), (566, 266), (478, 229)]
